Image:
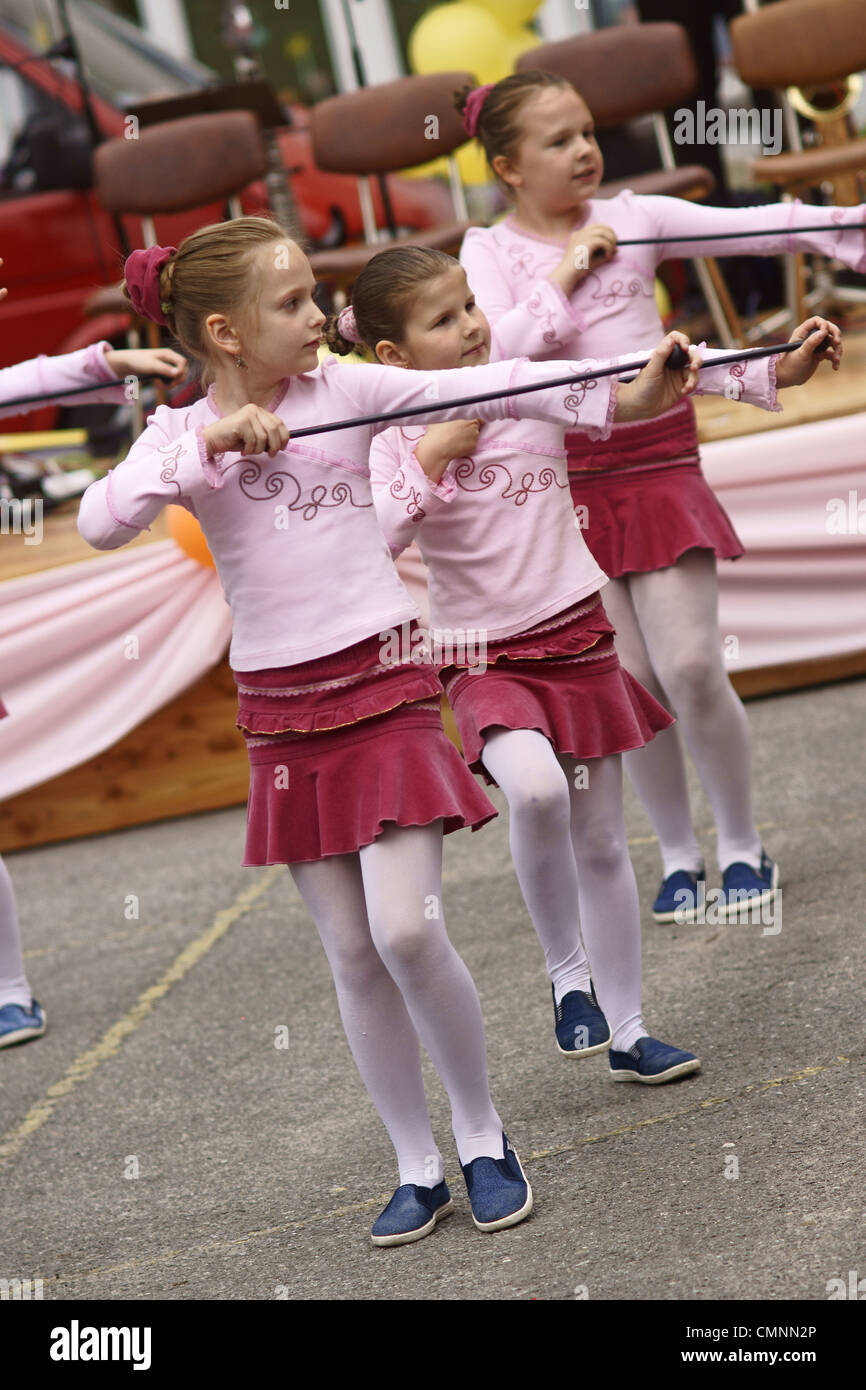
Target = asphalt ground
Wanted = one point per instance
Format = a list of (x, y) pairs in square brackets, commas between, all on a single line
[(156, 1143)]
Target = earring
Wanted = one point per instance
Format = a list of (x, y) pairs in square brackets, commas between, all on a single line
[(239, 361)]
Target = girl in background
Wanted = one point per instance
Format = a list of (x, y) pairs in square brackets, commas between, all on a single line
[(550, 279)]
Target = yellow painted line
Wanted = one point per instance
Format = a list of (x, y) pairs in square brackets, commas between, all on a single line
[(707, 1104), (376, 1203), (86, 1063)]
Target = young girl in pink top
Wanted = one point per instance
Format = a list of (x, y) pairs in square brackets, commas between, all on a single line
[(352, 778), (548, 709), (21, 1016), (550, 278)]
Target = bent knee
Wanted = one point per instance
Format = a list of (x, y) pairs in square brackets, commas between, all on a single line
[(405, 941), (696, 676), (541, 796), (355, 960), (600, 848)]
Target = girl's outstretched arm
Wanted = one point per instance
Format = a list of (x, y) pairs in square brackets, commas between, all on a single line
[(162, 466), (54, 377), (584, 405), (678, 217), (371, 390)]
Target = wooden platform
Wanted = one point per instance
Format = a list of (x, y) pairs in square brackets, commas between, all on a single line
[(189, 757)]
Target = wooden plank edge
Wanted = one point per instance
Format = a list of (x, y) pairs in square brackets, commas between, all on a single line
[(798, 675)]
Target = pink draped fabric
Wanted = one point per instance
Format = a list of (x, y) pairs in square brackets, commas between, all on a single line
[(69, 673), (799, 592), (73, 687)]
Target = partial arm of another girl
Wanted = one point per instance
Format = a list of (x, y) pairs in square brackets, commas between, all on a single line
[(678, 217), (405, 493), (54, 377)]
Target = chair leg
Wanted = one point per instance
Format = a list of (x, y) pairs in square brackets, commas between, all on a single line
[(795, 289), (133, 337), (154, 342), (719, 302)]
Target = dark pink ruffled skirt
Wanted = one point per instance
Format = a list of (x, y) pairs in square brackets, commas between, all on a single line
[(341, 747), (563, 678), (645, 497)]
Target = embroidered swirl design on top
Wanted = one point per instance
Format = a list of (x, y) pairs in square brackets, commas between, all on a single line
[(838, 217), (486, 475), (521, 260), (536, 308), (412, 498), (734, 386), (607, 295), (575, 399), (169, 468), (320, 495)]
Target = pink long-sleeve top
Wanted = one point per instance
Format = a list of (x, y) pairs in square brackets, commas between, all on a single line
[(498, 532), (614, 306), (295, 538), (55, 376)]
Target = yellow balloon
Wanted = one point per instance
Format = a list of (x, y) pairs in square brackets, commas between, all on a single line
[(459, 36), (472, 164), (510, 13), (520, 41), (433, 169), (663, 300), (324, 352)]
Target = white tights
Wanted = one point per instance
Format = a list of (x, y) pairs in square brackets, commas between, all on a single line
[(667, 636), (568, 843), (399, 979), (14, 988)]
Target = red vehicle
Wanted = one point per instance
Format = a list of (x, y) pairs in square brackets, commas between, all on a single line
[(57, 243)]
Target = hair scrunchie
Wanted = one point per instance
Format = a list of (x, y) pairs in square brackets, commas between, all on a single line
[(347, 326), (141, 273), (473, 105)]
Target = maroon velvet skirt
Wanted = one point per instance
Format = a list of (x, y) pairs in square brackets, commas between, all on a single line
[(344, 745), (644, 498), (562, 677)]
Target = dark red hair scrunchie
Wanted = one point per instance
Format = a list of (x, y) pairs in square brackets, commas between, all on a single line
[(141, 272)]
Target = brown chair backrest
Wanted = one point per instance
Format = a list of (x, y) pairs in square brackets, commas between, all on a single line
[(801, 43), (178, 165), (622, 72), (378, 129)]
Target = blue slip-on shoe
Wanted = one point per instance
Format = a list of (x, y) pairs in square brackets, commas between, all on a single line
[(581, 1028), (18, 1024), (652, 1062), (499, 1194), (411, 1214), (745, 887), (679, 896)]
